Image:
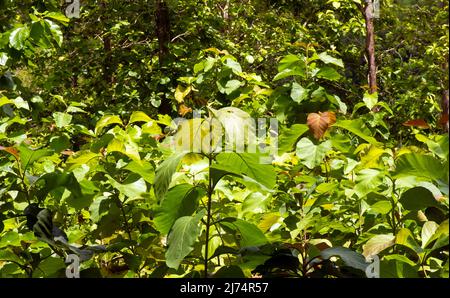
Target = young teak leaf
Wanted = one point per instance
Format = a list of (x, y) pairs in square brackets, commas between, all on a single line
[(417, 123)]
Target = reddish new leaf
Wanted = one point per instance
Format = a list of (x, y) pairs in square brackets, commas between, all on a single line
[(318, 123), (417, 123), (443, 120), (11, 150)]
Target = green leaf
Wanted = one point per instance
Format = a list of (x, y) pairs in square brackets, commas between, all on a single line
[(298, 93), (247, 164), (428, 230), (420, 165), (250, 234), (124, 144), (328, 73), (180, 200), (358, 128), (397, 266), (99, 208), (368, 180), (143, 169), (20, 103), (4, 101), (440, 235), (56, 32), (3, 59), (418, 198), (199, 67), (289, 73), (405, 237), (232, 271), (217, 174), (49, 267), (182, 237), (440, 147), (81, 158), (289, 137), (370, 100), (105, 121), (138, 116), (234, 65), (57, 16), (18, 37), (29, 156), (164, 173), (62, 119), (312, 155), (381, 207), (55, 180), (133, 187), (289, 60), (349, 257), (329, 59), (377, 244), (232, 86)]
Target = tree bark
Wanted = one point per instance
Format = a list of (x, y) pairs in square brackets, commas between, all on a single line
[(162, 30), (370, 46), (444, 114), (163, 34)]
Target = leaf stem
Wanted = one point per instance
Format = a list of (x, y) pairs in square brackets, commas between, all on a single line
[(208, 218)]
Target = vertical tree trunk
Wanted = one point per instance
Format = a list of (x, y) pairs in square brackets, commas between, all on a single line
[(163, 34), (107, 77), (370, 46), (444, 114), (162, 30)]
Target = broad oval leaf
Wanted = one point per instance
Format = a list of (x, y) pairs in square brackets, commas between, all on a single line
[(247, 164), (377, 244), (138, 116), (18, 37), (312, 155), (180, 200), (298, 93), (330, 59), (182, 237), (289, 137), (418, 198), (420, 165), (250, 234), (358, 128), (105, 121), (349, 257), (62, 119), (164, 173)]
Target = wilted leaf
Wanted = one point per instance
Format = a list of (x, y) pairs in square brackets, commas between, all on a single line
[(417, 123), (318, 123), (183, 110), (11, 150)]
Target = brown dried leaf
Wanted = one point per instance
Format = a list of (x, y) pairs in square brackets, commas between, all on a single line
[(183, 110), (11, 150), (318, 123), (417, 123)]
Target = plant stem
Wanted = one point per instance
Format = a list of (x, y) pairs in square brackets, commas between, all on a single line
[(208, 218)]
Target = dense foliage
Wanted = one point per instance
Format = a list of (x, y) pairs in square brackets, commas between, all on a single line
[(86, 131)]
